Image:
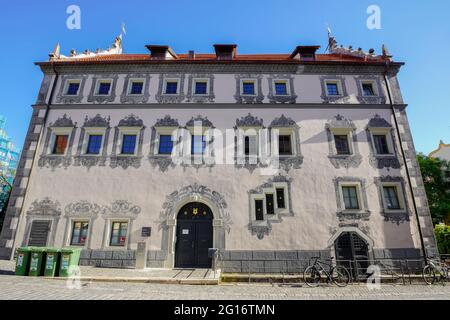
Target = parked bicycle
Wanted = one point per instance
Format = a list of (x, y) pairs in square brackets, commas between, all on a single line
[(338, 275), (435, 271)]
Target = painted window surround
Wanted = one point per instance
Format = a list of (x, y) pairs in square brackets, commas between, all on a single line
[(96, 80), (261, 228), (343, 126), (200, 98), (378, 97), (290, 97), (344, 214), (127, 97), (342, 88), (162, 97), (395, 216)]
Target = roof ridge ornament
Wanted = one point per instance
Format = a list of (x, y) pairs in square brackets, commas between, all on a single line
[(334, 48), (116, 48)]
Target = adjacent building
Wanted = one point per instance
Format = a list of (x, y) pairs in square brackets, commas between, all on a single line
[(9, 154), (270, 158)]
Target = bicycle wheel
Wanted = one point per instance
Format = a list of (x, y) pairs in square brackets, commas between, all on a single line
[(311, 276), (429, 276), (340, 276)]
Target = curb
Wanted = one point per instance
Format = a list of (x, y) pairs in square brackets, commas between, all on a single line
[(142, 280)]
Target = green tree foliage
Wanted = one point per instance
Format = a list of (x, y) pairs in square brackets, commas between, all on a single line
[(435, 173), (442, 233)]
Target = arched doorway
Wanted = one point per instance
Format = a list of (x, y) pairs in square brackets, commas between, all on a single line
[(353, 253), (194, 236)]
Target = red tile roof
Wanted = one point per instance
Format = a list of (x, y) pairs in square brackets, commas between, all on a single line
[(211, 58)]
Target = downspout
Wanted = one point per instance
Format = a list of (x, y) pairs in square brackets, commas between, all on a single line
[(388, 88), (47, 108)]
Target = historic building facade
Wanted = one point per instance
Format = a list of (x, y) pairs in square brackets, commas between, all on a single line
[(269, 158)]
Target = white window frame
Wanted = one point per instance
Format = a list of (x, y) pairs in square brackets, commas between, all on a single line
[(93, 131), (66, 87), (128, 131), (400, 194), (286, 83), (386, 132), (71, 221), (97, 87), (130, 84), (107, 238), (359, 195), (253, 198), (57, 132), (341, 132), (284, 186), (165, 131), (285, 132), (254, 86), (194, 82), (373, 83), (339, 87), (166, 80)]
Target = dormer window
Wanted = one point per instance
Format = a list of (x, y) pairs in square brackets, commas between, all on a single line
[(225, 51)]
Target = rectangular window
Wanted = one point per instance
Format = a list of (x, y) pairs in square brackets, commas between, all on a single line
[(198, 144), (280, 198), (350, 195), (259, 205), (248, 88), (94, 144), (391, 197), (136, 87), (128, 143), (200, 87), (269, 204), (79, 233), (381, 145), (119, 233), (60, 144), (72, 89), (171, 87), (284, 145), (103, 88), (280, 88), (332, 89), (165, 144), (368, 89), (247, 145), (341, 142)]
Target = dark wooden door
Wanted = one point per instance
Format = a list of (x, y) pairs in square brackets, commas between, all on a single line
[(352, 252), (194, 236), (39, 233)]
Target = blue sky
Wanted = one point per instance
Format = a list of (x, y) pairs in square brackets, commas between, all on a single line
[(416, 32)]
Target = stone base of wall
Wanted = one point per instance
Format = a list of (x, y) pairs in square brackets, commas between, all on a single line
[(251, 261), (119, 259)]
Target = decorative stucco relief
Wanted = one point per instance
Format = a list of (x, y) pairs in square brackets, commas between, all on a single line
[(162, 97), (295, 160), (363, 213), (378, 97), (62, 97), (162, 161), (111, 97), (291, 97), (352, 160), (195, 98), (395, 216), (53, 161), (258, 97), (128, 98)]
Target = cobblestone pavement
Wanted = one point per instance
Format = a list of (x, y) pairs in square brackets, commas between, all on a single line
[(12, 287)]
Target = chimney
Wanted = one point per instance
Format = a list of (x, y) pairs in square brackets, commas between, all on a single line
[(191, 54), (159, 52), (305, 53), (225, 51)]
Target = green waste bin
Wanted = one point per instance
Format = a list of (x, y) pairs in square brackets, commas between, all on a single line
[(22, 261), (37, 257), (69, 258), (52, 262)]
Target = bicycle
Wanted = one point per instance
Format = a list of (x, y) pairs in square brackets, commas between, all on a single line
[(433, 270), (338, 275)]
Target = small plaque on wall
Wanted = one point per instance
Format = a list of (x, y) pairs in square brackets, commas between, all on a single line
[(146, 232)]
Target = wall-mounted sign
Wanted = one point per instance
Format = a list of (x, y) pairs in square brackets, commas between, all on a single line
[(146, 232), (185, 231)]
